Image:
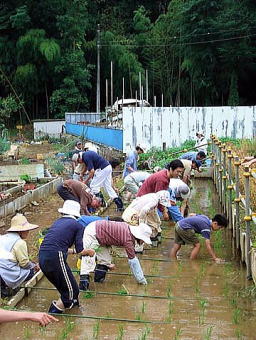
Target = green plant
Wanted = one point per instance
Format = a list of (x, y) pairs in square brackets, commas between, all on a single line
[(69, 326), (170, 311), (143, 307), (122, 291), (88, 295), (120, 334), (24, 161), (25, 178), (208, 334), (27, 333), (144, 334), (236, 316), (178, 334), (202, 305), (96, 330)]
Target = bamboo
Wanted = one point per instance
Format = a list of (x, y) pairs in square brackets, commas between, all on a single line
[(247, 219)]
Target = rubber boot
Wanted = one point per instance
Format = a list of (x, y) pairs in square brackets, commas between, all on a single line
[(119, 204), (103, 202), (154, 241), (159, 237), (100, 273), (84, 282), (55, 309)]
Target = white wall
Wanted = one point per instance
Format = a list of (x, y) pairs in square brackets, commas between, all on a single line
[(52, 128), (154, 126)]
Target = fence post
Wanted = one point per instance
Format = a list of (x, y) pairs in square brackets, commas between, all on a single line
[(247, 220), (230, 188), (224, 177), (237, 163), (220, 174)]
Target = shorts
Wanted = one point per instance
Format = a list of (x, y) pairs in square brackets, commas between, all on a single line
[(185, 236)]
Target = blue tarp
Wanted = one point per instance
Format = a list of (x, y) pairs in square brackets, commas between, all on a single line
[(102, 135)]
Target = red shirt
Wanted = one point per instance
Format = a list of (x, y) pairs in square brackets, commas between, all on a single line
[(154, 183)]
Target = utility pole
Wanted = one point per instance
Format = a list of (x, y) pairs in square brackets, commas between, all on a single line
[(147, 85), (98, 71), (111, 82)]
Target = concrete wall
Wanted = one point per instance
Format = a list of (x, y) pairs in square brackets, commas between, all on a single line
[(13, 172), (51, 128), (155, 126)]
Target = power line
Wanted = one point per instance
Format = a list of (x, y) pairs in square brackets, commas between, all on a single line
[(180, 43)]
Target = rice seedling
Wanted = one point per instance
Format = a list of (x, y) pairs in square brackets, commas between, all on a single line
[(169, 290), (239, 334), (122, 291), (143, 307), (170, 311), (138, 317), (88, 295), (178, 334), (120, 334), (69, 326), (96, 330), (236, 316), (144, 334), (202, 305), (208, 334), (27, 333)]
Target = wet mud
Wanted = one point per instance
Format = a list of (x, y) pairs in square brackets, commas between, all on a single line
[(183, 299)]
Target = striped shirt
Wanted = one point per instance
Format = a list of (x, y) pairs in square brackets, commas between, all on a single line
[(111, 233), (200, 223)]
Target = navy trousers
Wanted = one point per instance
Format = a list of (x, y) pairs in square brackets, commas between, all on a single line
[(54, 266)]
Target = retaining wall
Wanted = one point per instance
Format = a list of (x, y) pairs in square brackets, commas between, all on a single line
[(32, 195)]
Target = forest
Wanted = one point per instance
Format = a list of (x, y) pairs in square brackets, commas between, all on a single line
[(195, 53)]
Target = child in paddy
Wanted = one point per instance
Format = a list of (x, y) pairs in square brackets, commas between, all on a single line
[(186, 230)]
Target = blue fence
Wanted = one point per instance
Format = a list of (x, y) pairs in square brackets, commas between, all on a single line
[(106, 136)]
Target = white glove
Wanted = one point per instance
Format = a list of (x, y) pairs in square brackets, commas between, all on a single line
[(137, 270)]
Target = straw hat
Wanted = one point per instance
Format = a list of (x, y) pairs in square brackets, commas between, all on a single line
[(70, 208), (142, 232), (20, 223), (164, 198)]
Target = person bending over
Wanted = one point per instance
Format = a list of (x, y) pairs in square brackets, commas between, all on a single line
[(186, 230)]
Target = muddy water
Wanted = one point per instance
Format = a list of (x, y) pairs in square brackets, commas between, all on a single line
[(202, 300)]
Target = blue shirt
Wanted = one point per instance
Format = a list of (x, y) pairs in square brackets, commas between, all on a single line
[(200, 223), (130, 161), (191, 156), (93, 161), (84, 220), (64, 232)]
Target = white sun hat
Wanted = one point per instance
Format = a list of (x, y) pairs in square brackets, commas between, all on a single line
[(180, 188), (20, 223), (143, 147), (164, 198), (70, 208), (142, 232)]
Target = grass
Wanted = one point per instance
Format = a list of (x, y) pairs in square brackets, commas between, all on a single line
[(27, 333), (143, 307)]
